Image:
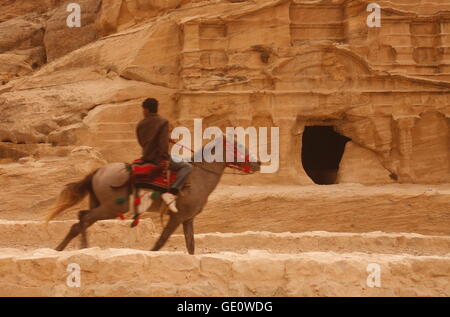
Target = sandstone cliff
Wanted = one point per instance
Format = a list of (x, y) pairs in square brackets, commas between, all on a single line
[(291, 64)]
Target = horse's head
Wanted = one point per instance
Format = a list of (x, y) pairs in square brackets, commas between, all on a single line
[(239, 157)]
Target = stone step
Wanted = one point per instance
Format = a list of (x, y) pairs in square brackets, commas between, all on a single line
[(335, 208), (422, 209), (128, 272), (27, 235)]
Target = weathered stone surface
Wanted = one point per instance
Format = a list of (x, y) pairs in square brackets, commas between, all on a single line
[(33, 185), (307, 274), (339, 208), (20, 62), (12, 8), (118, 15), (302, 65), (21, 46), (68, 105), (20, 33), (61, 39), (373, 171)]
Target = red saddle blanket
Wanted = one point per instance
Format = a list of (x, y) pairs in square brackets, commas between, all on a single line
[(145, 174)]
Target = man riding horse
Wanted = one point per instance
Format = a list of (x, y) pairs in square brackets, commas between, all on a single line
[(109, 188), (153, 136)]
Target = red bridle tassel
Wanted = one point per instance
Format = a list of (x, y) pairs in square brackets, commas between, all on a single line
[(246, 169)]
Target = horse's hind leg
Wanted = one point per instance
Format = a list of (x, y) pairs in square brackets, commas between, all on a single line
[(74, 231), (87, 218), (93, 203), (170, 228), (84, 241), (188, 228)]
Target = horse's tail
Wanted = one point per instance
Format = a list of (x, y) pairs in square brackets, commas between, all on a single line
[(72, 194)]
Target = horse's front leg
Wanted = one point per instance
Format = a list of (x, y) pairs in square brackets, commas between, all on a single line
[(188, 228), (169, 229)]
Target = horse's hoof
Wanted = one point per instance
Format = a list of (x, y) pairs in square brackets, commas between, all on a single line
[(135, 221)]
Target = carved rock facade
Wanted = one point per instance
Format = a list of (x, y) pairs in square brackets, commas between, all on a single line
[(313, 68)]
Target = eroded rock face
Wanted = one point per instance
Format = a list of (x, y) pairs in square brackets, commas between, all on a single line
[(374, 172), (61, 39), (33, 183), (12, 8), (21, 47), (118, 15), (301, 65)]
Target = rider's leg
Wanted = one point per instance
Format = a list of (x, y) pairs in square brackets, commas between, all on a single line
[(183, 169)]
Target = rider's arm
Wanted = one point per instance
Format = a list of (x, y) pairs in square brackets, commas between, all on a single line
[(164, 141)]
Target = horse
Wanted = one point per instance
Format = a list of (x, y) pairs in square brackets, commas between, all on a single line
[(104, 194)]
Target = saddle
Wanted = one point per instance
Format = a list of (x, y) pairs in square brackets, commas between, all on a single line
[(150, 176)]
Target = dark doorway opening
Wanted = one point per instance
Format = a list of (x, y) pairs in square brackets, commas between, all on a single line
[(322, 152)]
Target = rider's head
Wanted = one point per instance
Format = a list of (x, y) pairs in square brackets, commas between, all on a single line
[(150, 105)]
